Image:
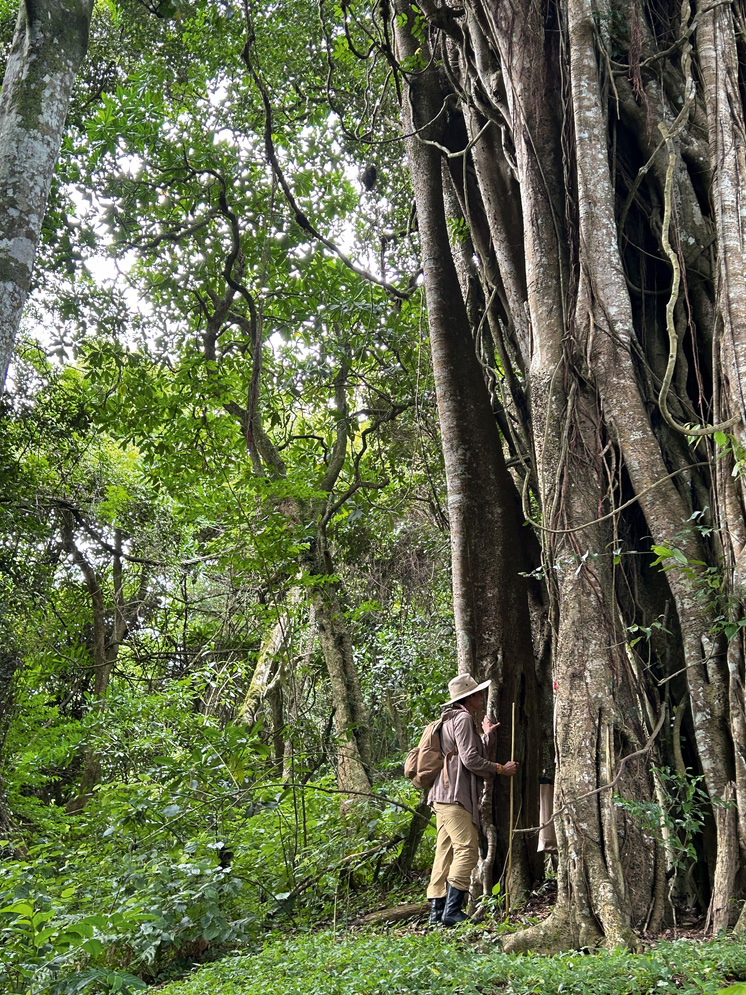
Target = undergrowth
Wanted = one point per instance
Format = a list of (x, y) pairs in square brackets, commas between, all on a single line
[(447, 963)]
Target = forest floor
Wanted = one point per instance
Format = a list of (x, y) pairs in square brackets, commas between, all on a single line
[(400, 955), (690, 924)]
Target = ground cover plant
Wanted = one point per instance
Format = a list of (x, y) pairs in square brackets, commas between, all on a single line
[(445, 963)]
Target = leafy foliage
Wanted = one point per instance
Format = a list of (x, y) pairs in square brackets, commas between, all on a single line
[(166, 871), (174, 422), (441, 963)]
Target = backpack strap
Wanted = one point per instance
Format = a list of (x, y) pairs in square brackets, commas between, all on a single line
[(446, 758)]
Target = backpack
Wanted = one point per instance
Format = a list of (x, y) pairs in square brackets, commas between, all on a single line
[(426, 760)]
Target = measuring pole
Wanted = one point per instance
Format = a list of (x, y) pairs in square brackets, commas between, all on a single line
[(510, 838)]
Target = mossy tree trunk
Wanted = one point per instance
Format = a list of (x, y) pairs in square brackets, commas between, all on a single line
[(50, 41), (351, 721)]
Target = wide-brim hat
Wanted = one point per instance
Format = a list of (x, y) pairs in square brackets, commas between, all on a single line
[(463, 686)]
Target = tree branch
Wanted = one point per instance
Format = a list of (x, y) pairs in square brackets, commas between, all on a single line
[(300, 217)]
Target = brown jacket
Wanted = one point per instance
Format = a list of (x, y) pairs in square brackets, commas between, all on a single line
[(466, 763)]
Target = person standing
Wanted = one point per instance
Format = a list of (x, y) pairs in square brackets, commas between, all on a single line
[(455, 797)]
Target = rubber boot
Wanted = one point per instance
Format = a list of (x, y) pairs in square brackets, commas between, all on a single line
[(452, 914), (436, 911)]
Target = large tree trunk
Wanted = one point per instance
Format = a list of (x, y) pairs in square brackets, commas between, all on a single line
[(50, 41), (619, 333), (493, 631), (606, 863)]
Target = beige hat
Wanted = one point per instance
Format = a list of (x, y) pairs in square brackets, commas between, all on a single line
[(463, 686)]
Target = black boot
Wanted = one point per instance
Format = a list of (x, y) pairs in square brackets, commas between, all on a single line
[(452, 914), (436, 911)]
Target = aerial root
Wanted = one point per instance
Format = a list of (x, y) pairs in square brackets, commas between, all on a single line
[(551, 936)]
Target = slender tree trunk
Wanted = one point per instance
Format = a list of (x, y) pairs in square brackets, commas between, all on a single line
[(719, 62), (392, 707), (10, 663), (402, 866), (293, 710), (50, 42), (726, 121), (105, 646), (351, 722), (272, 661)]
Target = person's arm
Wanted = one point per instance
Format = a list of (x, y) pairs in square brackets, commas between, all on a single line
[(490, 734), (467, 743), (489, 730)]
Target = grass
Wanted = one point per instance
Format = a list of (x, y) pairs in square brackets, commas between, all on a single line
[(447, 963)]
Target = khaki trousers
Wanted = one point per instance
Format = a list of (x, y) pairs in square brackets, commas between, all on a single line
[(456, 850)]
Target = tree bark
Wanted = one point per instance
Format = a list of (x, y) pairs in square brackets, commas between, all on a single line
[(573, 201), (720, 913), (493, 632), (50, 41), (272, 661), (351, 722)]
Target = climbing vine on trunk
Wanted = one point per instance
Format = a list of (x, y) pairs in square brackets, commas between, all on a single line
[(592, 152)]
